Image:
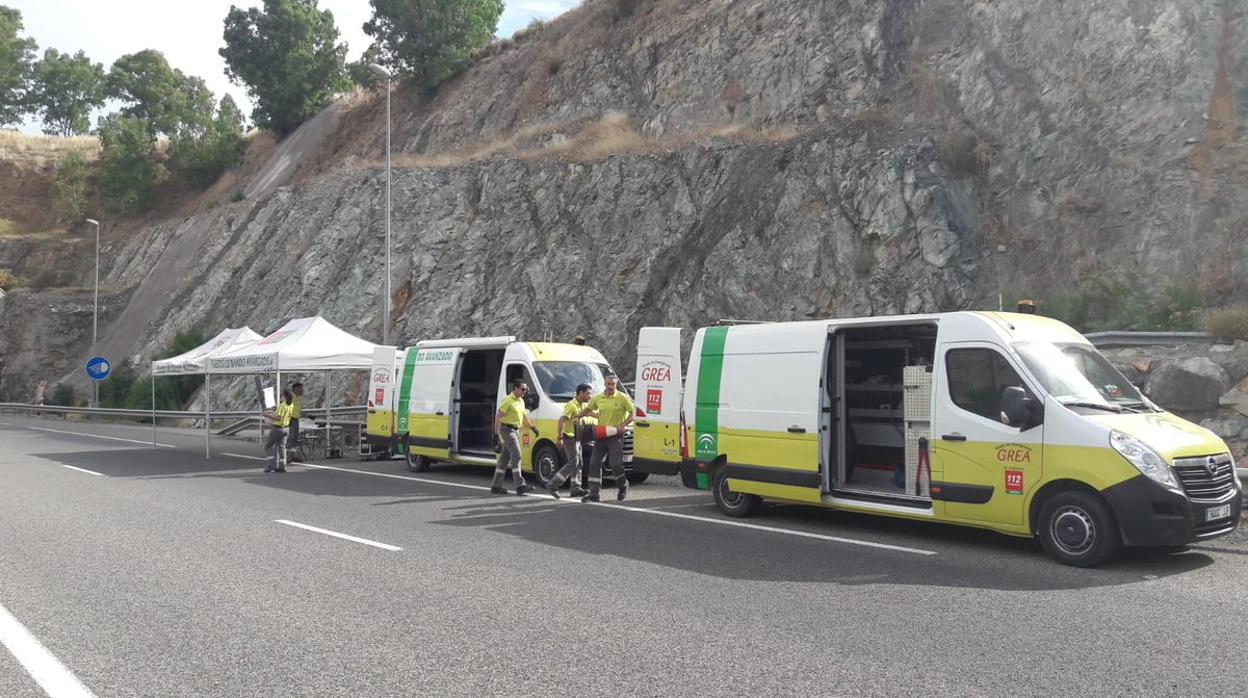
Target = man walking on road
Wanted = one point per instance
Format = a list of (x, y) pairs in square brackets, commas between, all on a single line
[(570, 442), (614, 409), (280, 422), (511, 417)]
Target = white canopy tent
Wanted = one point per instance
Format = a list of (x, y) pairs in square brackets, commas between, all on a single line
[(302, 345), (193, 362)]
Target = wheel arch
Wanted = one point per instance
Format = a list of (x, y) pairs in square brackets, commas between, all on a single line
[(1052, 488)]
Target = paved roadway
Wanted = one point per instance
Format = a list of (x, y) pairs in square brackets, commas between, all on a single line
[(167, 575)]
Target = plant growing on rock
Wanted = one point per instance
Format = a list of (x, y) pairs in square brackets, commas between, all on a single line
[(1227, 324), (69, 187), (16, 66), (433, 40)]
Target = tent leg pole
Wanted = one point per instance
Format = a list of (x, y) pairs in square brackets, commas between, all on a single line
[(153, 409), (207, 415), (329, 421)]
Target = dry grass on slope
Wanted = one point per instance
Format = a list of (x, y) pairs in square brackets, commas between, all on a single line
[(615, 134), (39, 151)]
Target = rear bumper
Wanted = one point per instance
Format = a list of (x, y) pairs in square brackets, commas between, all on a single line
[(1150, 515)]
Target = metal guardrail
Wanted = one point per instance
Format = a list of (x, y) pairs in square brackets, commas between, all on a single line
[(346, 410), (1147, 339)]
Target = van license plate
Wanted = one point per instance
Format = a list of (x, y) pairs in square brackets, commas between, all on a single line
[(1215, 513)]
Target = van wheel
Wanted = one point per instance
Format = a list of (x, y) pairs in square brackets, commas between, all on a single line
[(417, 464), (637, 478), (1077, 529), (545, 464), (734, 504)]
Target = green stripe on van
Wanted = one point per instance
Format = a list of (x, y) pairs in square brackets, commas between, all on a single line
[(706, 408), (405, 391)]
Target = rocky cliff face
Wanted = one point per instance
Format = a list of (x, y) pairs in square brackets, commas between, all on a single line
[(782, 160)]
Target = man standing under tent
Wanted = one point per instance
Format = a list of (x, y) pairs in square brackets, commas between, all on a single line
[(511, 417), (292, 440), (615, 411), (570, 440), (279, 421)]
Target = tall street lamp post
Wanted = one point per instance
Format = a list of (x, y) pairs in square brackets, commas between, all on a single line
[(95, 314), (385, 319)]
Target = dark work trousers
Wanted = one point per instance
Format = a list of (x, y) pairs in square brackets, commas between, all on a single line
[(275, 448), (509, 457), (610, 449)]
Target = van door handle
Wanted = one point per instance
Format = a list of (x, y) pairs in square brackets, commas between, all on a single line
[(797, 430), (440, 414), (955, 436), (641, 424)]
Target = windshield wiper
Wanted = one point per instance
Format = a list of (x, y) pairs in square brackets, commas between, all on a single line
[(1096, 406)]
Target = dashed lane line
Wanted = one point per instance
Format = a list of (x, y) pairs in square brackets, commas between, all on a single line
[(336, 534), (52, 676), (81, 470), (638, 510), (99, 436)]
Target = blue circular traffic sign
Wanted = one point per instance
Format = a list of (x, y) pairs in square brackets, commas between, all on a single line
[(98, 368)]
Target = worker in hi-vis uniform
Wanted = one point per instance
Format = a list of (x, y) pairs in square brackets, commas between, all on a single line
[(279, 420), (571, 437), (511, 417), (296, 411), (614, 410)]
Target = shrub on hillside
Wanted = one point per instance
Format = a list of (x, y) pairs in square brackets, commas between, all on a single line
[(432, 41), (69, 188), (129, 172), (204, 156), (1227, 324), (62, 395)]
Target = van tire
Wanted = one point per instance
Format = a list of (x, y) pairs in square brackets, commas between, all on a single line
[(635, 478), (734, 504), (545, 458), (1077, 528), (417, 464)]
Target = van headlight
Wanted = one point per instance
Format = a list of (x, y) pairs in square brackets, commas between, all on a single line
[(1144, 459)]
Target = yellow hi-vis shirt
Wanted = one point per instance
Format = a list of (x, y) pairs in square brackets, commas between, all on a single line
[(297, 406), (512, 408), (570, 411), (611, 409), (281, 415)]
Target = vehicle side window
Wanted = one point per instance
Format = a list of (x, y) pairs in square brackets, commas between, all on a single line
[(977, 378), (521, 372)]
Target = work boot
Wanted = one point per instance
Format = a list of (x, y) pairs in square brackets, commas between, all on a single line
[(591, 497), (269, 468), (523, 489), (498, 490), (623, 491), (281, 469), (579, 492), (554, 492)]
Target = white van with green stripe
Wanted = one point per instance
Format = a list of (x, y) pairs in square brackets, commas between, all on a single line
[(1004, 421)]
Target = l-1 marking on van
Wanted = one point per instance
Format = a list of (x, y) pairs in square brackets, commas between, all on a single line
[(1004, 421)]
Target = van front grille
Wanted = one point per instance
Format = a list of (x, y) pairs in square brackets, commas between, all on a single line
[(1206, 478)]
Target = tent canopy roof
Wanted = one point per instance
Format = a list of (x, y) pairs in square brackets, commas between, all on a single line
[(304, 344), (194, 361)]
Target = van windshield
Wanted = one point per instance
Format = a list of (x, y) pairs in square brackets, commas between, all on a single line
[(560, 378), (1077, 373)]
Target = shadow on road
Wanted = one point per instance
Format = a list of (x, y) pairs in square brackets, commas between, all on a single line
[(966, 558)]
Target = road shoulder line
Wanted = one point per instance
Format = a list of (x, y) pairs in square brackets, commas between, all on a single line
[(48, 671)]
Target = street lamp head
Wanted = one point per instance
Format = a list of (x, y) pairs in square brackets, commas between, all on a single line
[(380, 71), (94, 222)]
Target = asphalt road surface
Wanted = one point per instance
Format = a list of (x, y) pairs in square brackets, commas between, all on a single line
[(132, 571)]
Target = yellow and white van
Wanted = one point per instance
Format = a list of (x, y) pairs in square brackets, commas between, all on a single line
[(436, 401), (1004, 421)]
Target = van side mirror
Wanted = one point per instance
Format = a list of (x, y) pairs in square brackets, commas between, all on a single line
[(1018, 409)]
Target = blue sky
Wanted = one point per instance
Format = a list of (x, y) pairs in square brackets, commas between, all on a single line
[(188, 32)]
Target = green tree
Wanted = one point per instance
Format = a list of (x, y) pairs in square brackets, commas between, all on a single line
[(17, 56), (69, 187), (358, 71), (288, 58), (129, 172), (64, 90), (202, 157), (432, 40), (164, 96)]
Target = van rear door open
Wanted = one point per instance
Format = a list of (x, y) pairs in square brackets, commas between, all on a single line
[(656, 436), (380, 399), (432, 405)]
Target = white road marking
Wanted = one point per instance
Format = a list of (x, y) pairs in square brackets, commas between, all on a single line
[(335, 534), (81, 470), (43, 667), (5, 424), (97, 436), (656, 512)]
